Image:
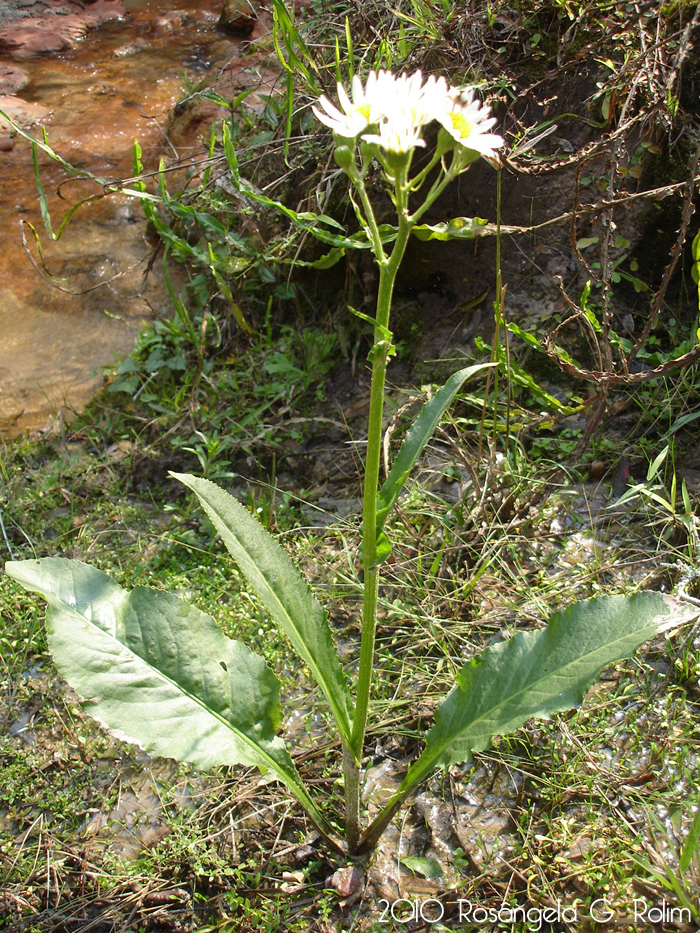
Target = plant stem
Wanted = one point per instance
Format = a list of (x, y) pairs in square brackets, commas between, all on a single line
[(381, 351), (351, 772)]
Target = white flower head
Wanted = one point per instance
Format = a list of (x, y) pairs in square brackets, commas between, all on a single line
[(395, 137), (391, 112), (468, 122), (357, 114)]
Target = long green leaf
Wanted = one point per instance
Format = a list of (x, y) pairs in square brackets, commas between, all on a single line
[(282, 589), (159, 672), (44, 146), (417, 437), (692, 841), (459, 228), (534, 674)]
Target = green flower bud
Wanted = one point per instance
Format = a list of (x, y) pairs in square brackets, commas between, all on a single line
[(344, 157)]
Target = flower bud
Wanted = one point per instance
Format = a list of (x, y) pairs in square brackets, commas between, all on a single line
[(344, 158)]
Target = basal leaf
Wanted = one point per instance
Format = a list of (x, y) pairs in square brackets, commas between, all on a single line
[(157, 671), (281, 588), (537, 674), (416, 439)]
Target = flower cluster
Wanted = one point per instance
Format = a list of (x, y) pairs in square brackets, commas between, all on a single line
[(392, 111)]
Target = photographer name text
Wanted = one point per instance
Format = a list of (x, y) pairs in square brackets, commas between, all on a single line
[(431, 910)]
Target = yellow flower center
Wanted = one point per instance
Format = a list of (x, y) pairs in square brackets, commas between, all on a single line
[(460, 124)]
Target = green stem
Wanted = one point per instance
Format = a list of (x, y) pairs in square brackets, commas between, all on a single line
[(388, 268), (374, 235), (387, 278), (418, 179), (436, 190), (460, 162)]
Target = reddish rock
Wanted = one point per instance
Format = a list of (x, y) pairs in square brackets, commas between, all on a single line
[(6, 144), (259, 73), (193, 121), (12, 78), (168, 22), (21, 112), (52, 25)]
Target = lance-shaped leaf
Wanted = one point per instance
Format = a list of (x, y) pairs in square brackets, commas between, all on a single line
[(416, 439), (282, 589), (459, 228), (462, 228), (160, 673), (537, 674), (534, 674)]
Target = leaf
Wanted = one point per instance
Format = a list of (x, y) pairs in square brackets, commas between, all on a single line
[(425, 867), (536, 674), (695, 246), (416, 439), (529, 339), (282, 589), (683, 420), (459, 228), (586, 241), (159, 672), (329, 259), (657, 463), (228, 295), (690, 846)]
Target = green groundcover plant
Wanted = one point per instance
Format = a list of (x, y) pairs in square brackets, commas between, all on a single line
[(159, 672)]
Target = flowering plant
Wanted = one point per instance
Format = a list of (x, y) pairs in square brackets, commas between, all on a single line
[(159, 671)]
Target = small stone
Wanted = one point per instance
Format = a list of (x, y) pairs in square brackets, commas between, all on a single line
[(6, 144), (12, 78), (346, 881), (597, 469)]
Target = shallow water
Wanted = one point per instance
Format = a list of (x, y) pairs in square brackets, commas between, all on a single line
[(118, 84)]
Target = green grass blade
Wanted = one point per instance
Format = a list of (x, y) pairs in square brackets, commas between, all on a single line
[(282, 589), (351, 52), (690, 846), (43, 205), (230, 152), (289, 112)]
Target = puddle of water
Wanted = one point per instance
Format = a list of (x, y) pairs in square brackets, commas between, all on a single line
[(118, 84)]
